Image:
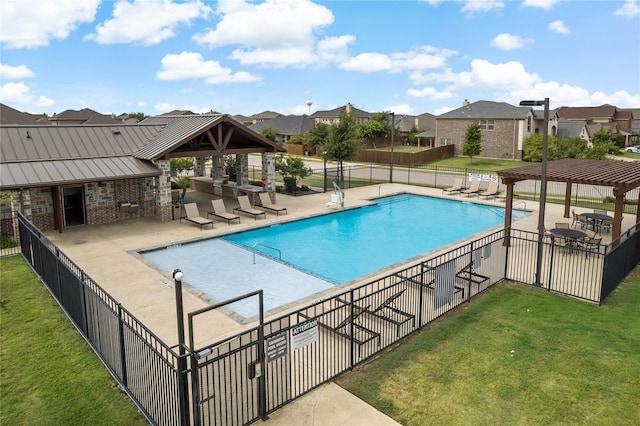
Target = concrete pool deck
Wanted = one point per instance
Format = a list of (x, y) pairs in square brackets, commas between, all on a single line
[(108, 254)]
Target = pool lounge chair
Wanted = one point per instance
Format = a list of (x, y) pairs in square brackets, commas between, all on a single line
[(220, 211), (329, 321), (474, 188), (245, 207), (193, 215), (491, 191), (456, 187), (469, 274), (265, 200)]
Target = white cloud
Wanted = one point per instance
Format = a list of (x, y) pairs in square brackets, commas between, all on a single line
[(426, 57), (544, 4), (507, 41), (8, 72), (147, 22), (431, 93), (269, 32), (486, 75), (190, 65), (334, 49), (164, 107), (481, 6), (443, 110), (559, 27), (629, 10), (34, 23), (20, 93), (400, 109)]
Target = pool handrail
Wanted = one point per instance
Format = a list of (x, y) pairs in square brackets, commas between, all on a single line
[(266, 246)]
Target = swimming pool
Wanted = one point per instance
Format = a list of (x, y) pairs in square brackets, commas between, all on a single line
[(308, 256)]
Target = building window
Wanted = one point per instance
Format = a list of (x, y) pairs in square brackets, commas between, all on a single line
[(529, 124), (445, 141), (487, 125)]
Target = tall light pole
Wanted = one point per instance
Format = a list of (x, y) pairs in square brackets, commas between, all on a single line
[(543, 182), (393, 125), (324, 156), (182, 361)]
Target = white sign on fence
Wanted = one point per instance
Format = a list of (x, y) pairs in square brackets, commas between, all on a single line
[(304, 334)]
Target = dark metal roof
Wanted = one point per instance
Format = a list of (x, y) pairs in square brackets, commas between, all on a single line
[(624, 175), (286, 124), (50, 155), (39, 173), (193, 135)]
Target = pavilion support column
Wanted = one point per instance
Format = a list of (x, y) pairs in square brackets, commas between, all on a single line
[(269, 173), (617, 215), (199, 166), (164, 212), (242, 169), (217, 169), (567, 200), (508, 209)]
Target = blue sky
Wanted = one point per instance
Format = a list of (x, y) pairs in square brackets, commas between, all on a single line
[(245, 57)]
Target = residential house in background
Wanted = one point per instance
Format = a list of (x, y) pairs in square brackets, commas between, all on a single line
[(333, 116), (10, 115), (573, 129), (73, 117), (263, 116), (504, 127), (286, 126), (608, 117)]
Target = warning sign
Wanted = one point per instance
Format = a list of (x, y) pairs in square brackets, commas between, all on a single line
[(277, 346), (304, 334)]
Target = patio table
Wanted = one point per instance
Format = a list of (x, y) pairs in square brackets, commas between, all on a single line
[(572, 236), (596, 218)]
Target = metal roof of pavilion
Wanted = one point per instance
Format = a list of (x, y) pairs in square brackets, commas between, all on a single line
[(204, 135), (624, 175)]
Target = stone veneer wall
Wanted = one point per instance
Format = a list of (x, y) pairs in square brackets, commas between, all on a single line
[(164, 209)]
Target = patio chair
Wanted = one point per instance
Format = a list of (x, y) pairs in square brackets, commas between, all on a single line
[(468, 273), (599, 211), (605, 226), (592, 245), (245, 207), (220, 211), (491, 191), (456, 187), (574, 218), (583, 221), (193, 215), (474, 188), (265, 201), (562, 225)]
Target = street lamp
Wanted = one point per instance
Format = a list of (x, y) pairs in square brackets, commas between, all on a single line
[(393, 122), (324, 155), (543, 181)]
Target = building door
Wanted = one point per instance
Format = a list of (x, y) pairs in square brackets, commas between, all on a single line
[(73, 203)]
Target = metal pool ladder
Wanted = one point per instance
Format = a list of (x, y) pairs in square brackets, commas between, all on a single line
[(265, 246)]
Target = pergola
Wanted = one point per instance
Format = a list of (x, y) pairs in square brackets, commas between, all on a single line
[(623, 176)]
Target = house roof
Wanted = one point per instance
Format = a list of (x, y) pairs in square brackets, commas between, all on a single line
[(586, 113), (487, 110), (50, 155), (10, 115), (623, 175), (265, 115), (334, 113), (286, 124), (569, 129)]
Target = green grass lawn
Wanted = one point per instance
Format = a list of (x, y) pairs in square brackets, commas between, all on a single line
[(515, 355), (488, 164), (48, 374)]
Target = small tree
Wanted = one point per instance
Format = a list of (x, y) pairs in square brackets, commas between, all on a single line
[(292, 169), (138, 115), (343, 142), (472, 141), (269, 133), (181, 165), (317, 136)]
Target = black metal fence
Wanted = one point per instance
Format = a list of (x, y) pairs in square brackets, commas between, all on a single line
[(309, 346), (138, 360), (9, 238)]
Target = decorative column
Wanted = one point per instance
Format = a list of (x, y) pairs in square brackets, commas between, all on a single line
[(164, 211), (199, 166), (218, 169), (242, 169), (269, 173)]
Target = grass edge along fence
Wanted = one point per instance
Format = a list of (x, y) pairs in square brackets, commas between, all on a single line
[(350, 327)]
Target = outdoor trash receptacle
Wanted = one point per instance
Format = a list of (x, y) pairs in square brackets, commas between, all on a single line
[(176, 211)]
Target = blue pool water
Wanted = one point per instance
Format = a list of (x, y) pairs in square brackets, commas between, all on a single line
[(319, 252)]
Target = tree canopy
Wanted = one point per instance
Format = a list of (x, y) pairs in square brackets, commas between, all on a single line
[(472, 141), (343, 142), (269, 133), (559, 148)]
